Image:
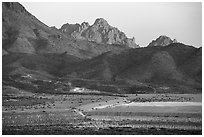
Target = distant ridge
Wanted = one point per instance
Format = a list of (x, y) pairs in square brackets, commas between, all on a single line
[(162, 41)]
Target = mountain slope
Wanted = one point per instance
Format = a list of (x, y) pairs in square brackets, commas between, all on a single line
[(99, 32), (169, 66), (31, 47), (23, 33), (35, 53)]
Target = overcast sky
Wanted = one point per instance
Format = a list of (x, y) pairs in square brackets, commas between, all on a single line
[(144, 21)]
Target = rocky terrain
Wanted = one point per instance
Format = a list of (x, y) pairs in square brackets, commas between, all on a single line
[(162, 41), (99, 32)]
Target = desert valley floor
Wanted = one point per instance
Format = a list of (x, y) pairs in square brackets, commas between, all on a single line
[(77, 113)]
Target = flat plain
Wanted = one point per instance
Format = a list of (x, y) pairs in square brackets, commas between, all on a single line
[(31, 113)]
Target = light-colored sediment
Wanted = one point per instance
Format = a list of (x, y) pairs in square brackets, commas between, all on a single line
[(163, 104)]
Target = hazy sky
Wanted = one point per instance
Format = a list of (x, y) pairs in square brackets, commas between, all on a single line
[(144, 21)]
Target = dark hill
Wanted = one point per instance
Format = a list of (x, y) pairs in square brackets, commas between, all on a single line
[(173, 65)]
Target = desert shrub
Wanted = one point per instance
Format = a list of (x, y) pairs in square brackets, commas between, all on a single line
[(138, 89), (105, 88)]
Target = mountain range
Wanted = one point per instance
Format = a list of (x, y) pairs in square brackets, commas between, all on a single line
[(96, 56), (99, 32), (23, 33)]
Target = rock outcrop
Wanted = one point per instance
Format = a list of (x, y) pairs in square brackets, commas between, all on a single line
[(69, 28), (99, 32), (162, 41)]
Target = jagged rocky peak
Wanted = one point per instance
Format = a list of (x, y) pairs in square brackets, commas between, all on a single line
[(83, 26), (69, 28), (101, 22), (99, 32), (162, 40)]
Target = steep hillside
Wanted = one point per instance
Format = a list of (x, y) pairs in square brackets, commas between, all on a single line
[(23, 33), (31, 48)]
